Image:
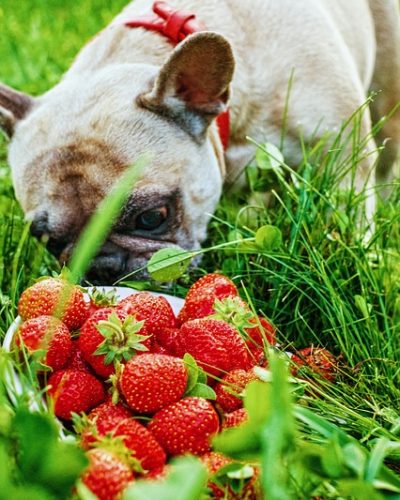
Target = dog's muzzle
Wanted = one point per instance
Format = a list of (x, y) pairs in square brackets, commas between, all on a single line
[(106, 268)]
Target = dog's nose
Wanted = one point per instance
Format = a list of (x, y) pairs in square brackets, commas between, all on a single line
[(40, 224)]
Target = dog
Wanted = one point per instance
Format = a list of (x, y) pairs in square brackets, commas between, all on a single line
[(131, 91)]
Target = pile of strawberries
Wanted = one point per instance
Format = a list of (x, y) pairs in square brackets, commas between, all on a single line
[(140, 385)]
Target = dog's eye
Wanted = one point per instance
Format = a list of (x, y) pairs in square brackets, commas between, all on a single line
[(151, 219)]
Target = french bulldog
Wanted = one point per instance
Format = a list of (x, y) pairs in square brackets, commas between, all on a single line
[(131, 91)]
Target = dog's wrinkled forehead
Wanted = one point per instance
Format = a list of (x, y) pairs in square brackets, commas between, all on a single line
[(103, 105), (94, 130)]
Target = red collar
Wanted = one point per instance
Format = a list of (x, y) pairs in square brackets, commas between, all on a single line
[(176, 26)]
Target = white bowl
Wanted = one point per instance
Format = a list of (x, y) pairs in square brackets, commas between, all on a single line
[(13, 384)]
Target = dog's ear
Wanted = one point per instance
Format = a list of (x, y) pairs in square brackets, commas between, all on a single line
[(193, 85), (13, 107)]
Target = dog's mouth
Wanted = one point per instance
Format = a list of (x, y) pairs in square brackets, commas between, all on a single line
[(121, 258)]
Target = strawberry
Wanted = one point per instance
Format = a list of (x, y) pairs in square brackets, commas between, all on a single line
[(215, 461), (154, 310), (235, 418), (101, 421), (109, 336), (77, 361), (202, 294), (231, 387), (74, 391), (320, 360), (255, 330), (243, 484), (152, 381), (158, 474), (142, 443), (157, 348), (258, 334), (186, 426), (54, 297), (169, 340), (107, 475), (49, 334), (240, 483), (216, 346)]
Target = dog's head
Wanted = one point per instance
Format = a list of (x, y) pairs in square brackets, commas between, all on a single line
[(69, 146)]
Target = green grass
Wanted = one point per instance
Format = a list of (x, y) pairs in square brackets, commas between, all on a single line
[(322, 285)]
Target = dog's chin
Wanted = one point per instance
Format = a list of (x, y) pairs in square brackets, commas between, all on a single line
[(106, 270)]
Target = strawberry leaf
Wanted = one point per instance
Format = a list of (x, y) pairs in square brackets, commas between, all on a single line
[(114, 320), (202, 377), (192, 370), (103, 298), (121, 339), (202, 391), (109, 358)]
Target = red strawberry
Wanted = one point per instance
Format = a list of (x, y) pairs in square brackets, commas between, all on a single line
[(152, 381), (320, 360), (77, 361), (157, 348), (109, 336), (258, 334), (155, 310), (186, 426), (231, 387), (214, 462), (216, 346), (101, 421), (169, 340), (251, 487), (235, 418), (54, 297), (74, 391), (255, 330), (107, 476), (158, 474), (244, 486), (141, 442), (51, 335), (202, 294)]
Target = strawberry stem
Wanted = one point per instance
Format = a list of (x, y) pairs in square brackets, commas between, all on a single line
[(121, 339), (119, 336)]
